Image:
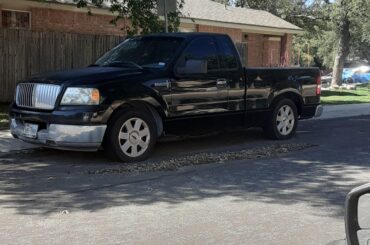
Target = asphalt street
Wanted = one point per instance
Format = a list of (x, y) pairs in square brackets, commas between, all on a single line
[(58, 197)]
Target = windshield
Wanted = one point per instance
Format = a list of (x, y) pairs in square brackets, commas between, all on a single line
[(142, 52)]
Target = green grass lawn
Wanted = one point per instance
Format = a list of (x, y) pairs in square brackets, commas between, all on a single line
[(335, 97), (4, 119)]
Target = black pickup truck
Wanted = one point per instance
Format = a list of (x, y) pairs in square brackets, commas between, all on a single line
[(163, 83)]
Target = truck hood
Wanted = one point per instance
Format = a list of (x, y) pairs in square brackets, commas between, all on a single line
[(88, 75)]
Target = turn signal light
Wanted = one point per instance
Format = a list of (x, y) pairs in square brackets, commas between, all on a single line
[(95, 96), (318, 86)]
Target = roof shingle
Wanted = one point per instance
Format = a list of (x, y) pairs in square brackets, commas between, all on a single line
[(210, 10)]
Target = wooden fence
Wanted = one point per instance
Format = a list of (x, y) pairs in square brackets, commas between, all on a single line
[(25, 52)]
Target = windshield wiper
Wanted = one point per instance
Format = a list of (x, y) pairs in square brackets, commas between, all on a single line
[(124, 63)]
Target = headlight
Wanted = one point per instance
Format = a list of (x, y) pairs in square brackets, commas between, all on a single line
[(81, 96)]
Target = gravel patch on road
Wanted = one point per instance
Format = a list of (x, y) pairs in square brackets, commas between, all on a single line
[(175, 163)]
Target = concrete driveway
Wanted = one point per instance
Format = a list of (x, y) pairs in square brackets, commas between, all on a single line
[(56, 197)]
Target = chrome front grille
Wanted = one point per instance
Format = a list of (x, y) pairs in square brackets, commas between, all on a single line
[(36, 95)]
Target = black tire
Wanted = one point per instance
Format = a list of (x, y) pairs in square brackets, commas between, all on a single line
[(348, 80), (272, 129), (112, 143)]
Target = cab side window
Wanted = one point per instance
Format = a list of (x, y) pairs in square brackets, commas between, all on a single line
[(228, 57), (203, 48)]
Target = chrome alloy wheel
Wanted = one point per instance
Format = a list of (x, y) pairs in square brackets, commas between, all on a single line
[(285, 120), (134, 137)]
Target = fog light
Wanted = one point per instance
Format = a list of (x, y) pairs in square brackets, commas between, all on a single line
[(86, 117)]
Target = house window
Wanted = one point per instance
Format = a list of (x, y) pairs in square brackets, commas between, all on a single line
[(15, 19)]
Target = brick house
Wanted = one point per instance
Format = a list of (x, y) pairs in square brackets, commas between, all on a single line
[(267, 39)]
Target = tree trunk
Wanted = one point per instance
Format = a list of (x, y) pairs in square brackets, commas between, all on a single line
[(342, 51)]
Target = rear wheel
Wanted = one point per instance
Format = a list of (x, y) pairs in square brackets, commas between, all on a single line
[(130, 137), (282, 122)]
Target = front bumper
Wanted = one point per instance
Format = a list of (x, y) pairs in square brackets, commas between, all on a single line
[(66, 137)]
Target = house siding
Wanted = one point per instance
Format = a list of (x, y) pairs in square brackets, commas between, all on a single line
[(44, 19), (286, 49), (235, 34), (255, 48)]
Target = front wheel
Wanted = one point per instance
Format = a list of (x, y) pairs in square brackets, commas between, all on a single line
[(130, 137), (283, 120)]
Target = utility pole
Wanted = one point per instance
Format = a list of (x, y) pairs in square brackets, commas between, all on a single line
[(165, 15)]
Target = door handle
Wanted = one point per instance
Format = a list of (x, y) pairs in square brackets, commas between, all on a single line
[(221, 82)]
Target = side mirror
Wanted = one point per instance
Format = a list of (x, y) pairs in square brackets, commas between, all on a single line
[(357, 202), (193, 67)]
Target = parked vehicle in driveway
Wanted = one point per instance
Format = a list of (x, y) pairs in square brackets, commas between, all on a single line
[(326, 80), (165, 83), (356, 75)]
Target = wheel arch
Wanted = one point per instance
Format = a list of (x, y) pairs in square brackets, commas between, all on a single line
[(293, 96), (154, 109)]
